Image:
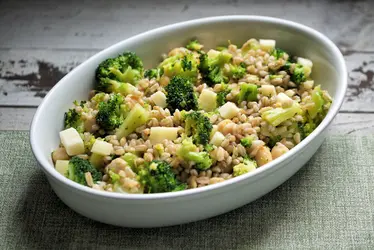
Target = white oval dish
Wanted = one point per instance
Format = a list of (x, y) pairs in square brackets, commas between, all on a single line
[(163, 209)]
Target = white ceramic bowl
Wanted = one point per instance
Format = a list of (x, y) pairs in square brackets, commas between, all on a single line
[(152, 210)]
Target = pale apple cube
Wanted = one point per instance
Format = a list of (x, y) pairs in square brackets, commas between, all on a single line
[(102, 148), (159, 98), (158, 134), (62, 166), (208, 100), (72, 141), (267, 44), (305, 62), (228, 110), (217, 139)]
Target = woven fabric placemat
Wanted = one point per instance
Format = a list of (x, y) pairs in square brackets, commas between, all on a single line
[(328, 204)]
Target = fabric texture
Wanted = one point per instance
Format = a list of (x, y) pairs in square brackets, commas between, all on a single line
[(328, 204)]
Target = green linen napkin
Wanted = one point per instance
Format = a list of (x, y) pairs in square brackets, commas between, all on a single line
[(328, 204)]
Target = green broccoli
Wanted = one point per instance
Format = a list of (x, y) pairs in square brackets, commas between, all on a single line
[(116, 74), (199, 126), (237, 71), (318, 102), (180, 94), (78, 167), (251, 44), (246, 141), (73, 119), (278, 53), (247, 166), (137, 117), (211, 67), (298, 74), (130, 159), (248, 93), (154, 73), (273, 140), (110, 115), (188, 152), (180, 65), (88, 140), (158, 177), (221, 95), (194, 45), (306, 129), (276, 116)]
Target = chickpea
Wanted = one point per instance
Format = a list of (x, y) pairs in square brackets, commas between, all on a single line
[(278, 150), (263, 156), (60, 154)]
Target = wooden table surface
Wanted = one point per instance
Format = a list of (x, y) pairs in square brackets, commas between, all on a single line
[(41, 41)]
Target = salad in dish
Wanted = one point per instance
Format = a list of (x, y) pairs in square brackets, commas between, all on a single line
[(198, 118)]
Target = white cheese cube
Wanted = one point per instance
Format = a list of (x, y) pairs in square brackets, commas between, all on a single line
[(62, 166), (284, 100), (102, 147), (305, 62), (228, 110), (208, 100), (158, 134), (217, 139), (159, 98), (267, 89), (267, 44), (72, 141)]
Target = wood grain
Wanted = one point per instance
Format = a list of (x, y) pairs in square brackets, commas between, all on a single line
[(357, 124), (98, 24), (27, 75)]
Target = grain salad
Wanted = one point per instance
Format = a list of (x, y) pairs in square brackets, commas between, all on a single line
[(198, 118)]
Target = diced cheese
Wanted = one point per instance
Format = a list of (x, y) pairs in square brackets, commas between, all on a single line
[(217, 139), (159, 98), (267, 44), (102, 147), (62, 166), (284, 100), (208, 100), (267, 89), (212, 53), (72, 141), (228, 110), (305, 62), (158, 134)]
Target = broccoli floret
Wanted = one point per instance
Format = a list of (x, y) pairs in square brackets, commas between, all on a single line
[(318, 101), (110, 115), (251, 44), (137, 117), (298, 74), (221, 95), (237, 71), (180, 94), (273, 140), (154, 73), (194, 45), (73, 119), (246, 141), (158, 177), (306, 129), (115, 74), (199, 126), (278, 53), (88, 140), (130, 159), (180, 65), (212, 65), (247, 166), (248, 93), (78, 167), (276, 116), (188, 152)]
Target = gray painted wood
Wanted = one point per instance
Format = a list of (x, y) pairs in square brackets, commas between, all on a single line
[(357, 124), (27, 75), (98, 24)]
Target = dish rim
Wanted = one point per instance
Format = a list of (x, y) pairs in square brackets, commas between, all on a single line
[(334, 109)]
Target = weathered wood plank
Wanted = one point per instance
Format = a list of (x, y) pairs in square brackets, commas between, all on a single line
[(357, 124), (27, 75), (77, 24)]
